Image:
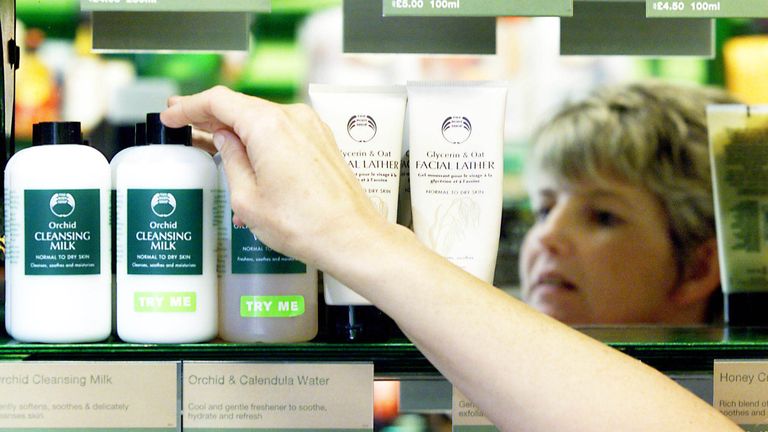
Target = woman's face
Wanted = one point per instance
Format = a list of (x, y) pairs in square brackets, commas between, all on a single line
[(598, 253)]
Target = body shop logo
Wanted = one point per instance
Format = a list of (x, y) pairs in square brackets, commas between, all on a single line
[(62, 204), (457, 129), (163, 204), (361, 128)]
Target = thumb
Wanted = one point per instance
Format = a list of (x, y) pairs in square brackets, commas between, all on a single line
[(241, 178)]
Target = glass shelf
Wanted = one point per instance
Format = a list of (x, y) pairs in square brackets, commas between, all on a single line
[(669, 349), (393, 358)]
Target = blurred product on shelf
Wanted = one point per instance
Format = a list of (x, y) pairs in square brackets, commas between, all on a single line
[(746, 68), (90, 81), (128, 105), (386, 401), (37, 93)]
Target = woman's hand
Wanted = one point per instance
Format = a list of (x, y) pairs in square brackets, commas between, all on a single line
[(281, 158)]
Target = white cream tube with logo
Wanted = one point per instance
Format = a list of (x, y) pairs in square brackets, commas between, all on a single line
[(456, 161), (738, 143), (367, 122)]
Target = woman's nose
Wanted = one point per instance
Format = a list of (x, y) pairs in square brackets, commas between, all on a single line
[(555, 232)]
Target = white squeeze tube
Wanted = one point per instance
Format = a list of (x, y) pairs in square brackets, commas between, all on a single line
[(456, 161), (367, 123), (738, 144)]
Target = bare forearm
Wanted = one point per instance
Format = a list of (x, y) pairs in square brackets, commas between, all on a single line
[(525, 370)]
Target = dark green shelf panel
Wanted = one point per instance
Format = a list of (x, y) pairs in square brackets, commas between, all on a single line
[(685, 349), (395, 358), (669, 349)]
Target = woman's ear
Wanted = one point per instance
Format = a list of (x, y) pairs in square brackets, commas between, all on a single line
[(701, 275)]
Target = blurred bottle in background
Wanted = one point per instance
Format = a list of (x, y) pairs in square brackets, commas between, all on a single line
[(37, 92)]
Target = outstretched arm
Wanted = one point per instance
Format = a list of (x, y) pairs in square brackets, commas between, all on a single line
[(526, 371)]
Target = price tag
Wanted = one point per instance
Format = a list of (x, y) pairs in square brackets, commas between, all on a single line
[(108, 396), (367, 31), (170, 31), (741, 392), (176, 5), (706, 8), (277, 396), (478, 7), (467, 417)]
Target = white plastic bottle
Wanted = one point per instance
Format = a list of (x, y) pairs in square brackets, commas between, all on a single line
[(264, 296), (58, 241), (139, 139), (166, 260)]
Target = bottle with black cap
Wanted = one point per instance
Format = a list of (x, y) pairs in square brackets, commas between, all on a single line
[(58, 243), (137, 138), (166, 244), (264, 296)]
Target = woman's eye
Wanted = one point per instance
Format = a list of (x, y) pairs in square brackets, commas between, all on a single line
[(606, 218)]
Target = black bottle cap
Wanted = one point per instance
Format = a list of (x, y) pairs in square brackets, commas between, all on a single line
[(123, 137), (56, 133), (746, 309), (158, 133), (141, 134), (359, 324)]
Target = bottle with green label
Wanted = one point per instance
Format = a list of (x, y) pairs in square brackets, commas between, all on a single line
[(58, 243), (166, 242), (137, 138), (264, 296)]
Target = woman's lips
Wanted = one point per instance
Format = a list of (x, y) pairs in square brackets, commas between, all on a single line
[(554, 282)]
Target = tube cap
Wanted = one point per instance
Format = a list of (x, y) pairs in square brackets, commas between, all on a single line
[(746, 309), (359, 324), (56, 133), (158, 133)]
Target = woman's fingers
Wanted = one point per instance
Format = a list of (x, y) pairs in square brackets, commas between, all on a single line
[(241, 178), (213, 109)]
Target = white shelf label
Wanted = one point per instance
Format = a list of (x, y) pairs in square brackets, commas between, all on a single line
[(277, 396), (741, 392), (109, 396), (467, 417)]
